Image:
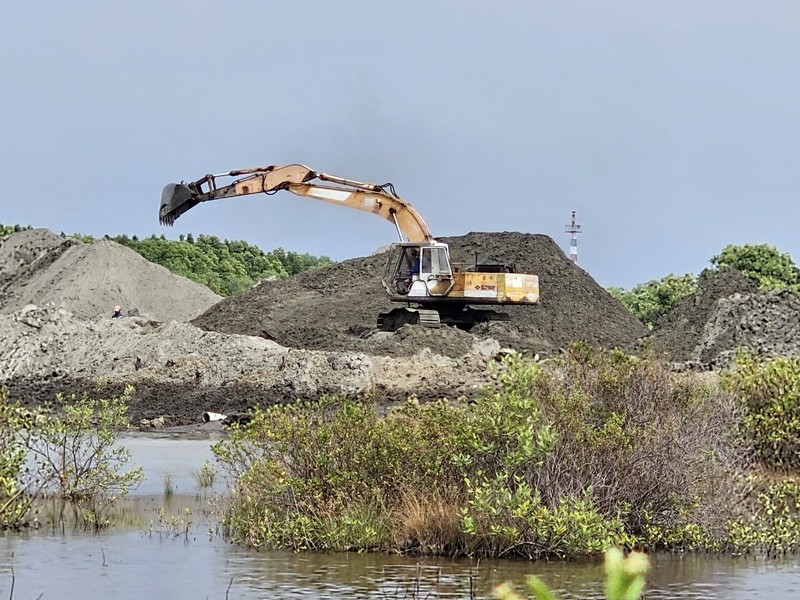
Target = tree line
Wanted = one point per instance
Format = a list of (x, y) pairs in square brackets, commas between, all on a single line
[(764, 264), (227, 267)]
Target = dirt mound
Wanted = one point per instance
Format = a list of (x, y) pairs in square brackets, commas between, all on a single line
[(320, 329), (23, 253), (335, 308), (680, 331), (765, 322), (179, 371), (41, 268)]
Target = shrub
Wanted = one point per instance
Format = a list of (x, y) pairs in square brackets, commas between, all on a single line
[(642, 440), (309, 467), (205, 475), (772, 523), (569, 457), (770, 393), (18, 487), (78, 459)]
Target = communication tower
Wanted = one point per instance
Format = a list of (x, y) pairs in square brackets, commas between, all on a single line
[(573, 229)]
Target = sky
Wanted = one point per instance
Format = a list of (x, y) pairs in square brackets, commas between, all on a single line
[(672, 128)]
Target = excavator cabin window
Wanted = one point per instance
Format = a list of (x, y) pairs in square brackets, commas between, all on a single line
[(411, 263)]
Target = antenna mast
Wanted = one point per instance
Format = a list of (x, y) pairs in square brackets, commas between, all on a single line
[(573, 229)]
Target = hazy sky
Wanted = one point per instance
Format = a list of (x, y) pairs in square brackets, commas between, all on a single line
[(673, 128)]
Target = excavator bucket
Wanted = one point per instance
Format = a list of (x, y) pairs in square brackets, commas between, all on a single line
[(176, 199)]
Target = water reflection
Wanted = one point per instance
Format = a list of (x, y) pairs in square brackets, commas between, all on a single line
[(170, 547)]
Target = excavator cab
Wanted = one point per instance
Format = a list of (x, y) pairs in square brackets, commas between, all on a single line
[(418, 270)]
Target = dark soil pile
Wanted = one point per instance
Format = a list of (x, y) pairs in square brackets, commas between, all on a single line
[(765, 322), (726, 313), (679, 333), (335, 308)]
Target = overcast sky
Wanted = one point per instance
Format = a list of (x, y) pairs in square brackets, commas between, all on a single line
[(673, 128)]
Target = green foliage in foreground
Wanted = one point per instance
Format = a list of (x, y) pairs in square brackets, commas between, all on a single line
[(571, 457), (75, 455), (17, 487), (625, 579), (770, 391)]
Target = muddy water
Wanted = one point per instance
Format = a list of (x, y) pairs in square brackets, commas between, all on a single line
[(170, 548)]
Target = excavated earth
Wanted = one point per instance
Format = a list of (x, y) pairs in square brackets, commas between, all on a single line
[(186, 351), (726, 313), (335, 308)]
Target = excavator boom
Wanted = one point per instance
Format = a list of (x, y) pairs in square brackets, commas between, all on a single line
[(418, 271), (178, 198)]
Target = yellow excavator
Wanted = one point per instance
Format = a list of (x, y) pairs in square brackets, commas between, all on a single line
[(418, 271)]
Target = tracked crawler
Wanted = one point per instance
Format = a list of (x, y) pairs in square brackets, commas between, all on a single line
[(418, 274)]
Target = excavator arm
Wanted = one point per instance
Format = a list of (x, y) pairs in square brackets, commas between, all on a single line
[(177, 198)]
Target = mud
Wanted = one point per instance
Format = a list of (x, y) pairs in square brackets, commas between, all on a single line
[(188, 351), (335, 308)]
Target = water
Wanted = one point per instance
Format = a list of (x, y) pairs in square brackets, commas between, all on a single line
[(159, 550)]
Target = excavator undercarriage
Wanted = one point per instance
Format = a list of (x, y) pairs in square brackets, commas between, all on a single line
[(436, 315)]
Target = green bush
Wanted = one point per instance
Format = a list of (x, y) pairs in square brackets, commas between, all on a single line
[(652, 300), (772, 524), (76, 458), (770, 394), (9, 229), (307, 469), (762, 263), (591, 450), (643, 440), (17, 486)]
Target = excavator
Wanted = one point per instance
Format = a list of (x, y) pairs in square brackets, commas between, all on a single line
[(418, 271)]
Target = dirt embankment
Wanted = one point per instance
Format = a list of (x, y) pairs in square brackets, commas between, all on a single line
[(335, 308), (728, 312), (42, 268), (180, 371), (315, 333), (283, 340)]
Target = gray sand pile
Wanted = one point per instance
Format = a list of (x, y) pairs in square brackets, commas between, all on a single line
[(179, 371), (678, 333), (42, 268), (335, 308), (22, 252), (765, 322)]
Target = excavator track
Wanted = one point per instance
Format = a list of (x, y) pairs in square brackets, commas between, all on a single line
[(464, 318), (468, 317), (396, 318)]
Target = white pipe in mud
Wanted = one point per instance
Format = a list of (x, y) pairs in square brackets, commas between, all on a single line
[(212, 416)]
